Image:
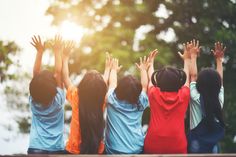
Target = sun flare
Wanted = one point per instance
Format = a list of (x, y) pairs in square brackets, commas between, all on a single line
[(71, 31)]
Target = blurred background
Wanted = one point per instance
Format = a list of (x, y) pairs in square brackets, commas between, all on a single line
[(127, 29)]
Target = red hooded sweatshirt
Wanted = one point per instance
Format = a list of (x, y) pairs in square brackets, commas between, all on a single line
[(166, 131)]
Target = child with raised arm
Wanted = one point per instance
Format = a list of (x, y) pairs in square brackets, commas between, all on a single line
[(168, 95), (47, 103), (126, 101), (207, 97), (87, 103)]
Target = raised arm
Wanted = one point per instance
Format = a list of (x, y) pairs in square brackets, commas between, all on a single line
[(143, 67), (65, 70), (39, 46), (194, 52), (107, 70), (113, 74), (57, 49), (186, 58), (151, 59), (219, 56)]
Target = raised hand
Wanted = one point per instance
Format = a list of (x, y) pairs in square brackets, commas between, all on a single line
[(115, 65), (68, 46), (108, 61), (195, 48), (144, 63), (186, 54), (152, 56), (58, 43), (37, 43), (219, 50)]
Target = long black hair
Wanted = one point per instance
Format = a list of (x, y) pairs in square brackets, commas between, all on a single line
[(92, 90), (208, 85), (169, 79)]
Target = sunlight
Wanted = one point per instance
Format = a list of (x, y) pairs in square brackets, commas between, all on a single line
[(71, 31)]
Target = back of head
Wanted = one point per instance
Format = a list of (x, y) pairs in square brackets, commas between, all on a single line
[(92, 90), (43, 87), (169, 79), (128, 89), (208, 85)]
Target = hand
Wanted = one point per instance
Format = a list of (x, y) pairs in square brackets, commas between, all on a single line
[(68, 46), (186, 54), (152, 56), (195, 48), (115, 65), (36, 42), (58, 43), (144, 63), (219, 50), (108, 62)]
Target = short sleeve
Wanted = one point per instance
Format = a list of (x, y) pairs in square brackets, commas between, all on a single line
[(221, 96), (143, 100), (72, 96), (195, 96), (60, 97)]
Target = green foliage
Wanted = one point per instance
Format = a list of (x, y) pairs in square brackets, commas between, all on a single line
[(6, 49), (206, 20)]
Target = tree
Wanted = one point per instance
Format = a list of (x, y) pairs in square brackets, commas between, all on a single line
[(114, 23), (6, 49)]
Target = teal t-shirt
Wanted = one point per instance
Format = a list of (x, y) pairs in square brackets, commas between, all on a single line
[(195, 106), (124, 133), (47, 124)]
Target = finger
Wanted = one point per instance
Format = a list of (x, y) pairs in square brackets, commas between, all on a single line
[(180, 54), (39, 39), (197, 44), (184, 45), (221, 46), (137, 65), (194, 42), (32, 44), (224, 49), (33, 40), (213, 52)]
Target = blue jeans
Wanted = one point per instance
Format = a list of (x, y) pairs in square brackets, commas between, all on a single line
[(40, 151)]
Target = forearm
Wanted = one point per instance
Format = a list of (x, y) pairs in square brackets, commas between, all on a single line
[(150, 72), (106, 75), (186, 70), (193, 69), (113, 79), (37, 63), (58, 69), (144, 80), (65, 73), (219, 67)]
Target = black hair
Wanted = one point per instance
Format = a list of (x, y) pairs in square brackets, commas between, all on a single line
[(128, 89), (92, 90), (169, 79), (43, 87), (208, 85)]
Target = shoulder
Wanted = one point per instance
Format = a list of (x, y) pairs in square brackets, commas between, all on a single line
[(72, 95)]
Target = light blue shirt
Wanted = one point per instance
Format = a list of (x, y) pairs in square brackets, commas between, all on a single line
[(195, 106), (47, 124), (124, 133)]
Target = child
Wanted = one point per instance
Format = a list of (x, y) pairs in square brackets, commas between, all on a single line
[(126, 102), (168, 95), (47, 104), (207, 97), (87, 122)]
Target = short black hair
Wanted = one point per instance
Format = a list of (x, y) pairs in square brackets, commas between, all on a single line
[(169, 79), (128, 89), (43, 87)]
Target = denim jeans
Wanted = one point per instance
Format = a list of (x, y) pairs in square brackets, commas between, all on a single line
[(40, 151)]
